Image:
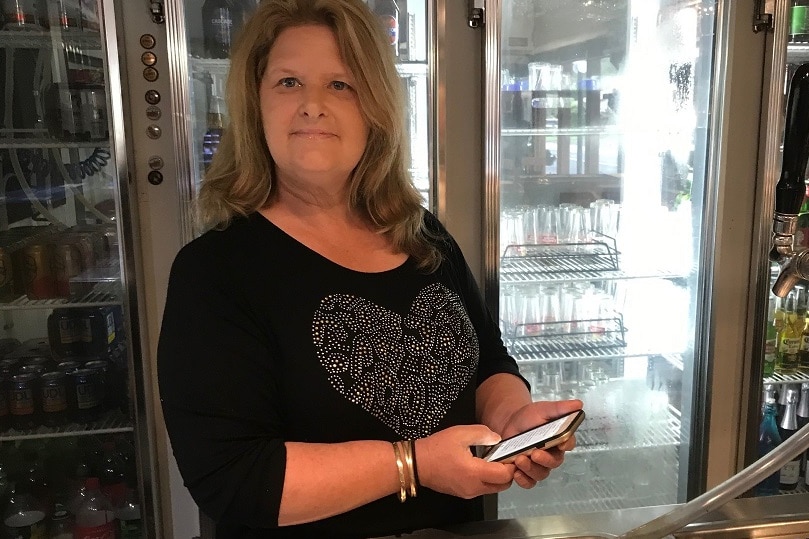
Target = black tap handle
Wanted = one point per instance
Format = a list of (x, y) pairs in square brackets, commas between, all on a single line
[(791, 187)]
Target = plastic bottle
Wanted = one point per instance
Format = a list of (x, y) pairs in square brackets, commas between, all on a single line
[(24, 517), (96, 516), (111, 474), (129, 516), (61, 524), (768, 439)]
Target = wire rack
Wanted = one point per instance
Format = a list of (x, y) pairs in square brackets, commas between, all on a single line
[(568, 340), (112, 421), (595, 256)]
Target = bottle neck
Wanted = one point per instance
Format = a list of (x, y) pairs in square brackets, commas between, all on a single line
[(803, 407), (790, 421)]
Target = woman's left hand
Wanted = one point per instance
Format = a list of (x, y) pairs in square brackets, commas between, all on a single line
[(537, 465)]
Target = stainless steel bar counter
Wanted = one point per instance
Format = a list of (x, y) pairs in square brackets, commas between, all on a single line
[(784, 517)]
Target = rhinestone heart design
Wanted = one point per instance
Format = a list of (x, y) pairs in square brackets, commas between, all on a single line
[(406, 372)]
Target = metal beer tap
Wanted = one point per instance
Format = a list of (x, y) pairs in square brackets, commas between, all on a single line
[(791, 187)]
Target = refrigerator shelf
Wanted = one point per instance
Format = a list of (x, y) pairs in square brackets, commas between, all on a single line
[(525, 272), (595, 256), (105, 293), (797, 378), (112, 422), (35, 39)]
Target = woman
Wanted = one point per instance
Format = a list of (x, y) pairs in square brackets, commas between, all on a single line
[(325, 353)]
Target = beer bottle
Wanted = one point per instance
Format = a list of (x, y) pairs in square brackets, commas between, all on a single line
[(220, 21), (791, 471), (799, 22), (803, 418), (768, 439), (773, 325), (388, 13), (789, 338)]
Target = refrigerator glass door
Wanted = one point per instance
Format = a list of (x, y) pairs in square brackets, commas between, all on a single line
[(603, 155), (406, 22), (69, 354)]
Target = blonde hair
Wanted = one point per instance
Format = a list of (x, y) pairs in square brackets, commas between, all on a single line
[(240, 179)]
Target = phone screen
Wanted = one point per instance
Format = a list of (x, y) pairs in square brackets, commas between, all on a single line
[(543, 436)]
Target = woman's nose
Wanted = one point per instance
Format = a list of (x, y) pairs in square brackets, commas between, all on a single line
[(313, 103)]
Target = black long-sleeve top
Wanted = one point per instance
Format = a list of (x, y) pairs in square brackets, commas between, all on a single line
[(265, 341)]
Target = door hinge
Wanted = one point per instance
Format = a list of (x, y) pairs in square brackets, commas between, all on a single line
[(477, 13), (156, 9), (763, 11)]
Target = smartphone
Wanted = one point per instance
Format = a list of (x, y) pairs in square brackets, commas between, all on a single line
[(543, 436)]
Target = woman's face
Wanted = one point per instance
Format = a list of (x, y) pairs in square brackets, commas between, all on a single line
[(314, 129)]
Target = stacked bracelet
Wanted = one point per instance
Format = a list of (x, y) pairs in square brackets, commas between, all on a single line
[(406, 465)]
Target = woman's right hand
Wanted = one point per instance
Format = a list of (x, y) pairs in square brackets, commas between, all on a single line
[(445, 463)]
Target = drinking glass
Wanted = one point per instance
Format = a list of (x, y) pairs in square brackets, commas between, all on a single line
[(547, 224)]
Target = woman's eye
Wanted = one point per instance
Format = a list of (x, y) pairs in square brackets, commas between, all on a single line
[(340, 85), (288, 82)]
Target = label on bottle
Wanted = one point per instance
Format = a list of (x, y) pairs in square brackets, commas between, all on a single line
[(20, 526), (222, 24), (769, 354), (791, 472), (104, 531), (131, 529), (790, 345), (798, 20), (805, 342)]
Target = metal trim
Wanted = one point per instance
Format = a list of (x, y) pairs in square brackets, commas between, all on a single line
[(437, 118), (491, 156), (130, 253), (180, 103), (705, 322)]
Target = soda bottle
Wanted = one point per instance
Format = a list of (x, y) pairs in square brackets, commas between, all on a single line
[(96, 516), (61, 524), (129, 516), (23, 516), (768, 439), (791, 471), (110, 472)]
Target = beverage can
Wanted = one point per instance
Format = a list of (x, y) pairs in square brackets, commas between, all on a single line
[(22, 401), (84, 394), (102, 368), (53, 396), (67, 366), (7, 292), (37, 270), (67, 263)]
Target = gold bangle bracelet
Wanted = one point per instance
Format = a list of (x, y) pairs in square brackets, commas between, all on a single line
[(411, 476), (400, 467)]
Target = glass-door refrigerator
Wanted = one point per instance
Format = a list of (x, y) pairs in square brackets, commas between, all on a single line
[(781, 367), (607, 145), (73, 408)]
